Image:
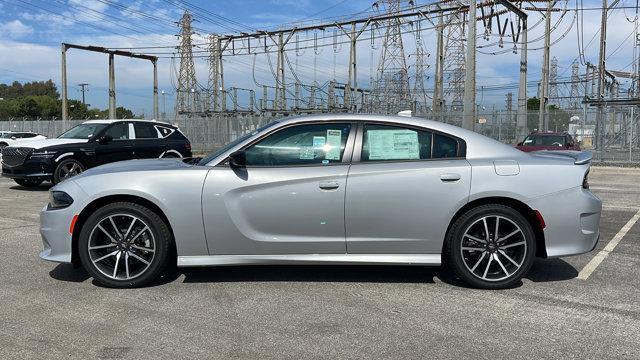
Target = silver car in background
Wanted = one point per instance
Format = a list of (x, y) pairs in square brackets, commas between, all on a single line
[(329, 189)]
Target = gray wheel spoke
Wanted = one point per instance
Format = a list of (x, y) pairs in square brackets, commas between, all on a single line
[(486, 269), (508, 258), (142, 248), (486, 229), (466, 248), (478, 262), (115, 267), (105, 256), (102, 246), (115, 227), (126, 264), (106, 233), (497, 234), (475, 238), (508, 236), (139, 258), (133, 221), (519, 243), (501, 265), (138, 234)]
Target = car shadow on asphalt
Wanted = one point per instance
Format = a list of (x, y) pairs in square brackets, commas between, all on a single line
[(41, 187), (548, 270)]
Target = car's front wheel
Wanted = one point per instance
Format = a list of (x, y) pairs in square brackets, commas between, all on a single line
[(490, 247), (67, 168), (124, 245)]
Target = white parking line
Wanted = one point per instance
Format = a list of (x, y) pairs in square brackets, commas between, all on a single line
[(593, 264)]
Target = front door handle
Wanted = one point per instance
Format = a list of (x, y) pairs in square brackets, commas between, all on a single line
[(329, 185), (450, 177)]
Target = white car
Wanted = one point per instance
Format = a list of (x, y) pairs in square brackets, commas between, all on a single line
[(11, 138)]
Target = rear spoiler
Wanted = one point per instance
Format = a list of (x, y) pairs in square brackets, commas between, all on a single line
[(579, 157)]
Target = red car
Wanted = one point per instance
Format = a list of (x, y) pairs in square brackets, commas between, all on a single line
[(548, 141)]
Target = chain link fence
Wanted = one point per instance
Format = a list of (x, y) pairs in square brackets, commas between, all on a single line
[(621, 140)]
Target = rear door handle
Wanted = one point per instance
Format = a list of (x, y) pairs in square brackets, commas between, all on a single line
[(329, 185), (450, 177)]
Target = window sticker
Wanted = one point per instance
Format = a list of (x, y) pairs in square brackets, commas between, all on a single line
[(306, 153), (334, 140), (318, 142), (393, 144)]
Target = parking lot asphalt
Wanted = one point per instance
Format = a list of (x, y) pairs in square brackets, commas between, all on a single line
[(55, 311)]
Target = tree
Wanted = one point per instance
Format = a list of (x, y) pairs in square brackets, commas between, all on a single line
[(558, 118)]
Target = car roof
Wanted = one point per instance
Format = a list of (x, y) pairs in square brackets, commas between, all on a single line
[(111, 121), (549, 133)]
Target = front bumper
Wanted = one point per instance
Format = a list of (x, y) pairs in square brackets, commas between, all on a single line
[(30, 169), (573, 221)]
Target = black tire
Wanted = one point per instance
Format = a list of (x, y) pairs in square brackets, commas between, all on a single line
[(28, 182), (160, 234), (59, 172), (3, 145), (170, 155), (467, 257)]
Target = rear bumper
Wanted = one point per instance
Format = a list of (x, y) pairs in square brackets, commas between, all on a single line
[(573, 221)]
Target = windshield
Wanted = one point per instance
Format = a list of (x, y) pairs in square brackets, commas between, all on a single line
[(83, 131), (235, 142), (544, 140)]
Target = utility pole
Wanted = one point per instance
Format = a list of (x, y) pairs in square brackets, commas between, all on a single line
[(164, 105), (82, 86), (112, 87), (469, 104), (543, 121), (438, 90), (601, 77), (65, 108)]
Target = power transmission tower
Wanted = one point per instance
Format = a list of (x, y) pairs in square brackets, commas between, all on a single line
[(216, 81), (82, 86), (553, 82), (575, 86), (186, 91), (393, 80), (454, 65), (420, 97)]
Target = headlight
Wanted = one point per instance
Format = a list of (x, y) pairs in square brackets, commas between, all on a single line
[(59, 200), (43, 154)]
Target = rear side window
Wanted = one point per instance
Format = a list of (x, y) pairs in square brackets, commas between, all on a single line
[(164, 131), (145, 131), (444, 146), (382, 142), (118, 131)]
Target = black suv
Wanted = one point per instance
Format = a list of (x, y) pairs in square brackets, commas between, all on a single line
[(90, 144)]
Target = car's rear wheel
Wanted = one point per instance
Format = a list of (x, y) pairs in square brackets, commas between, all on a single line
[(28, 182), (67, 168), (490, 247), (124, 245)]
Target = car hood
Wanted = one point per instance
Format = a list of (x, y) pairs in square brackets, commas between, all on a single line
[(43, 143), (136, 166)]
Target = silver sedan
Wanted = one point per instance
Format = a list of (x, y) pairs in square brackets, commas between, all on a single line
[(329, 189)]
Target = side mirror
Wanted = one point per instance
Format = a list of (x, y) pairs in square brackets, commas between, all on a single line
[(104, 139), (520, 143), (571, 144), (238, 159), (13, 138)]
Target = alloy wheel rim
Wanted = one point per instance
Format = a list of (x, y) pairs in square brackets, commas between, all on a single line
[(493, 248), (121, 246), (69, 170)]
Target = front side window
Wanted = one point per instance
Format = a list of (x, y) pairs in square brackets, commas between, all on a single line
[(307, 144), (118, 131)]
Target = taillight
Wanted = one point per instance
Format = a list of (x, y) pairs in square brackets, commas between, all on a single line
[(585, 181)]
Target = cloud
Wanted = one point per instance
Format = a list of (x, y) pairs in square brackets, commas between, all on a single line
[(16, 29)]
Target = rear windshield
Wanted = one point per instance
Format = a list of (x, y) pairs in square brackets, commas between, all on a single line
[(544, 140)]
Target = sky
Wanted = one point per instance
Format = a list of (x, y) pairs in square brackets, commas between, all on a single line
[(31, 32)]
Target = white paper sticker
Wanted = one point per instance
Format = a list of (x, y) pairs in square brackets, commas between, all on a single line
[(393, 144), (334, 140), (306, 153), (318, 142)]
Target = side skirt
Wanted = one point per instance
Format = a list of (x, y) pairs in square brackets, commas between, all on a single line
[(310, 259)]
